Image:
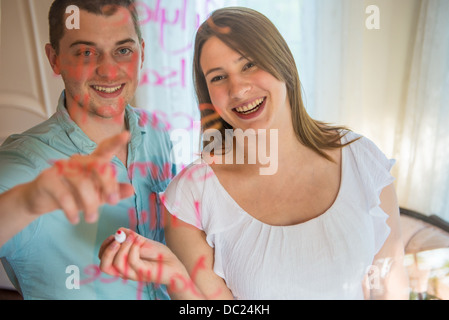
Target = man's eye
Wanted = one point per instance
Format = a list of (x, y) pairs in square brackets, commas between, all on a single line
[(124, 51), (86, 53)]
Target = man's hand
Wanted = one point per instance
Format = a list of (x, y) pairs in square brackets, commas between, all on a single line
[(80, 183)]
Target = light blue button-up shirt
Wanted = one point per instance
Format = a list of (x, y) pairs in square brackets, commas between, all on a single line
[(48, 257)]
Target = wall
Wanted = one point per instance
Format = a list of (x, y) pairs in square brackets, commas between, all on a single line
[(388, 53), (28, 89)]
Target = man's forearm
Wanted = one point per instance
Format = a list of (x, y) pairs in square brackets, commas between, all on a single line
[(14, 214)]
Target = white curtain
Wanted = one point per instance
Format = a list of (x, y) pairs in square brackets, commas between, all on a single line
[(390, 84), (423, 139)]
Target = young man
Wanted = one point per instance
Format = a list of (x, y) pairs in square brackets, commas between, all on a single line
[(54, 255)]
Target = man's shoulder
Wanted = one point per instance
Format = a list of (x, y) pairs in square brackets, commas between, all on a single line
[(38, 136), (34, 148)]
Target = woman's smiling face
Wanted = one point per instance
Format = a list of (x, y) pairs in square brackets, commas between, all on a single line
[(243, 94)]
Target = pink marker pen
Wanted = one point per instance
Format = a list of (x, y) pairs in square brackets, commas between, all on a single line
[(120, 236)]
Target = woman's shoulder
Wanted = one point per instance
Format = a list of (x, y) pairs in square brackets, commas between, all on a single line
[(372, 166), (366, 153), (197, 171), (196, 197)]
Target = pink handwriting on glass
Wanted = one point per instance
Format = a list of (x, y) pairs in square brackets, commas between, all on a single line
[(159, 120), (160, 15), (147, 217), (169, 78), (94, 273)]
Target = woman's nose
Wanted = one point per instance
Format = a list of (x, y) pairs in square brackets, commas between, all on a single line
[(238, 87)]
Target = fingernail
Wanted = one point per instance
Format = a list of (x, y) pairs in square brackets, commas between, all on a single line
[(114, 245), (113, 198), (130, 238), (75, 220), (138, 240), (91, 218)]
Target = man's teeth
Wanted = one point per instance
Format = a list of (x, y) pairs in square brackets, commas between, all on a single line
[(250, 108), (107, 90)]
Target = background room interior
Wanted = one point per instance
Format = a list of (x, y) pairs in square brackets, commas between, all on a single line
[(379, 67)]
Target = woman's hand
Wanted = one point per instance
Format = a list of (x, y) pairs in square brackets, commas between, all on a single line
[(144, 260)]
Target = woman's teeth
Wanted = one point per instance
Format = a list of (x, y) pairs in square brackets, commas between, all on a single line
[(250, 108), (106, 89)]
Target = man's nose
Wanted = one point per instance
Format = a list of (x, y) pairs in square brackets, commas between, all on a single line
[(107, 67)]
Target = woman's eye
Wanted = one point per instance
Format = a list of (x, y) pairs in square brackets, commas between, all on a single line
[(249, 65), (217, 78)]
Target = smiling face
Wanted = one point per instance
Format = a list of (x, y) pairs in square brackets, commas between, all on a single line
[(100, 63), (243, 94)]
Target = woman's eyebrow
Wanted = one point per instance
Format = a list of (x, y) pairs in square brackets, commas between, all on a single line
[(212, 70), (220, 68)]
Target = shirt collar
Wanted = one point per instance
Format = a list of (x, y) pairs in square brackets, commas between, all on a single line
[(82, 142)]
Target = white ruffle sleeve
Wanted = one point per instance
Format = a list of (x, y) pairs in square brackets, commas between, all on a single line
[(374, 169), (196, 197)]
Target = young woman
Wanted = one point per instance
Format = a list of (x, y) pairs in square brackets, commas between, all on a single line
[(316, 228)]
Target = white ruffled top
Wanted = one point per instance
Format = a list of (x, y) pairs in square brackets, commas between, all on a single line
[(323, 258)]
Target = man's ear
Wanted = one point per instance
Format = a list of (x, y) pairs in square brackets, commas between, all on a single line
[(142, 45), (53, 58)]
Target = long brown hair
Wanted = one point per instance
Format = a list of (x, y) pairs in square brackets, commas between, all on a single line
[(251, 34)]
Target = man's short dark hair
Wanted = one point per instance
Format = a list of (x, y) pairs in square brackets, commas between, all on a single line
[(99, 7)]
